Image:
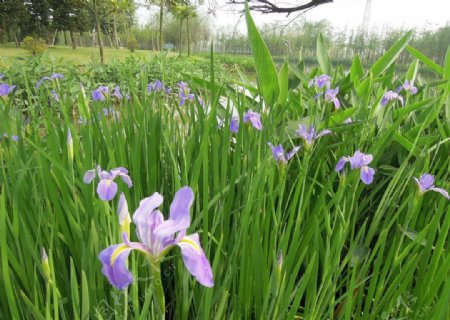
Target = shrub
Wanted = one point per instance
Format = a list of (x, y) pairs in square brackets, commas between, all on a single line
[(34, 46), (132, 44)]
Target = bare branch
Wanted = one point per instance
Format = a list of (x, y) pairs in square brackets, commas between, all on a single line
[(267, 6)]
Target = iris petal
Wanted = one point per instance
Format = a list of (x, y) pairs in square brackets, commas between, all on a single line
[(195, 260), (89, 176), (340, 165), (441, 191), (146, 218), (292, 153), (426, 181), (181, 205), (126, 178), (367, 174), (115, 269), (106, 189)]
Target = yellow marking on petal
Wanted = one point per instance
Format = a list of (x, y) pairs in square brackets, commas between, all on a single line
[(108, 182), (191, 243), (125, 225), (117, 252)]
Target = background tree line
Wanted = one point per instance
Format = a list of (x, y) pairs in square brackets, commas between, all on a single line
[(177, 25), (104, 22), (299, 39)]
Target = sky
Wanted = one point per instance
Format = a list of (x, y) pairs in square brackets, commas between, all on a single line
[(343, 14)]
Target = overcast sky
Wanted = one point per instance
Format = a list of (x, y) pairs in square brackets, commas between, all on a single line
[(341, 13)]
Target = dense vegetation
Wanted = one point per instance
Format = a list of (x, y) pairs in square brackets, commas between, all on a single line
[(336, 228)]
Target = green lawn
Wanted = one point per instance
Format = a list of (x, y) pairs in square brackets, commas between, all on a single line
[(10, 54)]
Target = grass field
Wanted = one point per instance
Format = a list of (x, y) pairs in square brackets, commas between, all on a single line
[(10, 54)]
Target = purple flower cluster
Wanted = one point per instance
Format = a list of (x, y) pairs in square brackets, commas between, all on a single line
[(117, 93), (390, 96), (251, 117), (310, 135), (234, 125), (54, 76), (156, 238), (280, 155), (6, 89), (330, 95), (155, 86), (13, 136), (254, 118), (407, 86), (109, 112), (55, 95), (184, 93), (107, 188), (100, 93), (359, 161), (320, 81)]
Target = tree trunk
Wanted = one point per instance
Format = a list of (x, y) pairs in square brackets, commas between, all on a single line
[(188, 37), (116, 40), (99, 36), (66, 43), (15, 38), (54, 37), (161, 13), (181, 39), (72, 38)]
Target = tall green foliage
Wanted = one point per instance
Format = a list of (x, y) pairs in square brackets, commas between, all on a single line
[(285, 240)]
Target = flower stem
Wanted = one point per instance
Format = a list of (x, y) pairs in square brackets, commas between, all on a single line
[(158, 290)]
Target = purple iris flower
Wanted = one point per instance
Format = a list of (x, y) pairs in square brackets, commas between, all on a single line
[(310, 135), (280, 156), (426, 183), (107, 188), (50, 78), (331, 95), (155, 86), (168, 90), (348, 121), (408, 87), (389, 96), (109, 113), (13, 137), (234, 125), (55, 95), (184, 93), (117, 93), (156, 237), (100, 93), (5, 89), (320, 81), (359, 161), (158, 85), (254, 118), (182, 84)]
